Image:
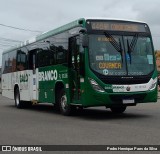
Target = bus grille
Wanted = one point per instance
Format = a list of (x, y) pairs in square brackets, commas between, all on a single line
[(125, 81)]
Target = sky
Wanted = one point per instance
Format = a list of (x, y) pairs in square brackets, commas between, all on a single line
[(44, 15)]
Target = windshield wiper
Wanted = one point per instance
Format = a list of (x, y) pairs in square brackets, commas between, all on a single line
[(133, 42), (120, 45), (132, 46), (129, 51), (115, 44)]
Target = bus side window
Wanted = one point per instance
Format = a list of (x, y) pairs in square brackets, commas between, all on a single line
[(61, 55), (5, 63), (59, 47), (21, 62), (18, 63)]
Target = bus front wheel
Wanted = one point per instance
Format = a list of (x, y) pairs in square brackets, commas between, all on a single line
[(65, 108), (120, 109)]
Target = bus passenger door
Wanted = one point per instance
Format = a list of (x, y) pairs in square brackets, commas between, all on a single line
[(74, 70), (33, 77)]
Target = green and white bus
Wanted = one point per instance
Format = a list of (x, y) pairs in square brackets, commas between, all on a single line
[(86, 63)]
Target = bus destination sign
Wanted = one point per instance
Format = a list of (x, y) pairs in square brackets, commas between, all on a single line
[(117, 26)]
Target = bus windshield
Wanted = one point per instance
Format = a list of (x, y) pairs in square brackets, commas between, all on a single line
[(121, 55)]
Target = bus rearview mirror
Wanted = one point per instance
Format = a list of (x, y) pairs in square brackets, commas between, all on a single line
[(85, 41)]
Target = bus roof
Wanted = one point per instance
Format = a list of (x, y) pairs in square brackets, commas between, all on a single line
[(76, 23), (47, 34), (114, 19)]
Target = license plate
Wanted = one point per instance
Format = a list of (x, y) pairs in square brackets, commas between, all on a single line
[(128, 101)]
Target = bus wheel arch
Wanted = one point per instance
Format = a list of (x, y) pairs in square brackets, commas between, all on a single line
[(58, 87), (15, 87), (61, 99)]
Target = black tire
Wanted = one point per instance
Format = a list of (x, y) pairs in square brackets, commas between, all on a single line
[(118, 110), (65, 108), (18, 103)]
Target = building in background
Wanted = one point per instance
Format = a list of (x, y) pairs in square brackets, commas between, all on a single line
[(157, 54)]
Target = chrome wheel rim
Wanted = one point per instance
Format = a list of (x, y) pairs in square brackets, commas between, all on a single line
[(64, 104)]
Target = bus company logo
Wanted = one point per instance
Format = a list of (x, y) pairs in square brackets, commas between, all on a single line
[(24, 78), (117, 87), (48, 75), (128, 88)]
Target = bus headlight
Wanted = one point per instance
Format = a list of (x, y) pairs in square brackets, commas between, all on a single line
[(153, 85), (96, 86)]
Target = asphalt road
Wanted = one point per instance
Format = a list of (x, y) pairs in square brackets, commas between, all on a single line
[(42, 125)]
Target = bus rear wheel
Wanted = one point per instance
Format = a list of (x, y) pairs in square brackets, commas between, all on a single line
[(65, 108), (120, 109), (18, 103)]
